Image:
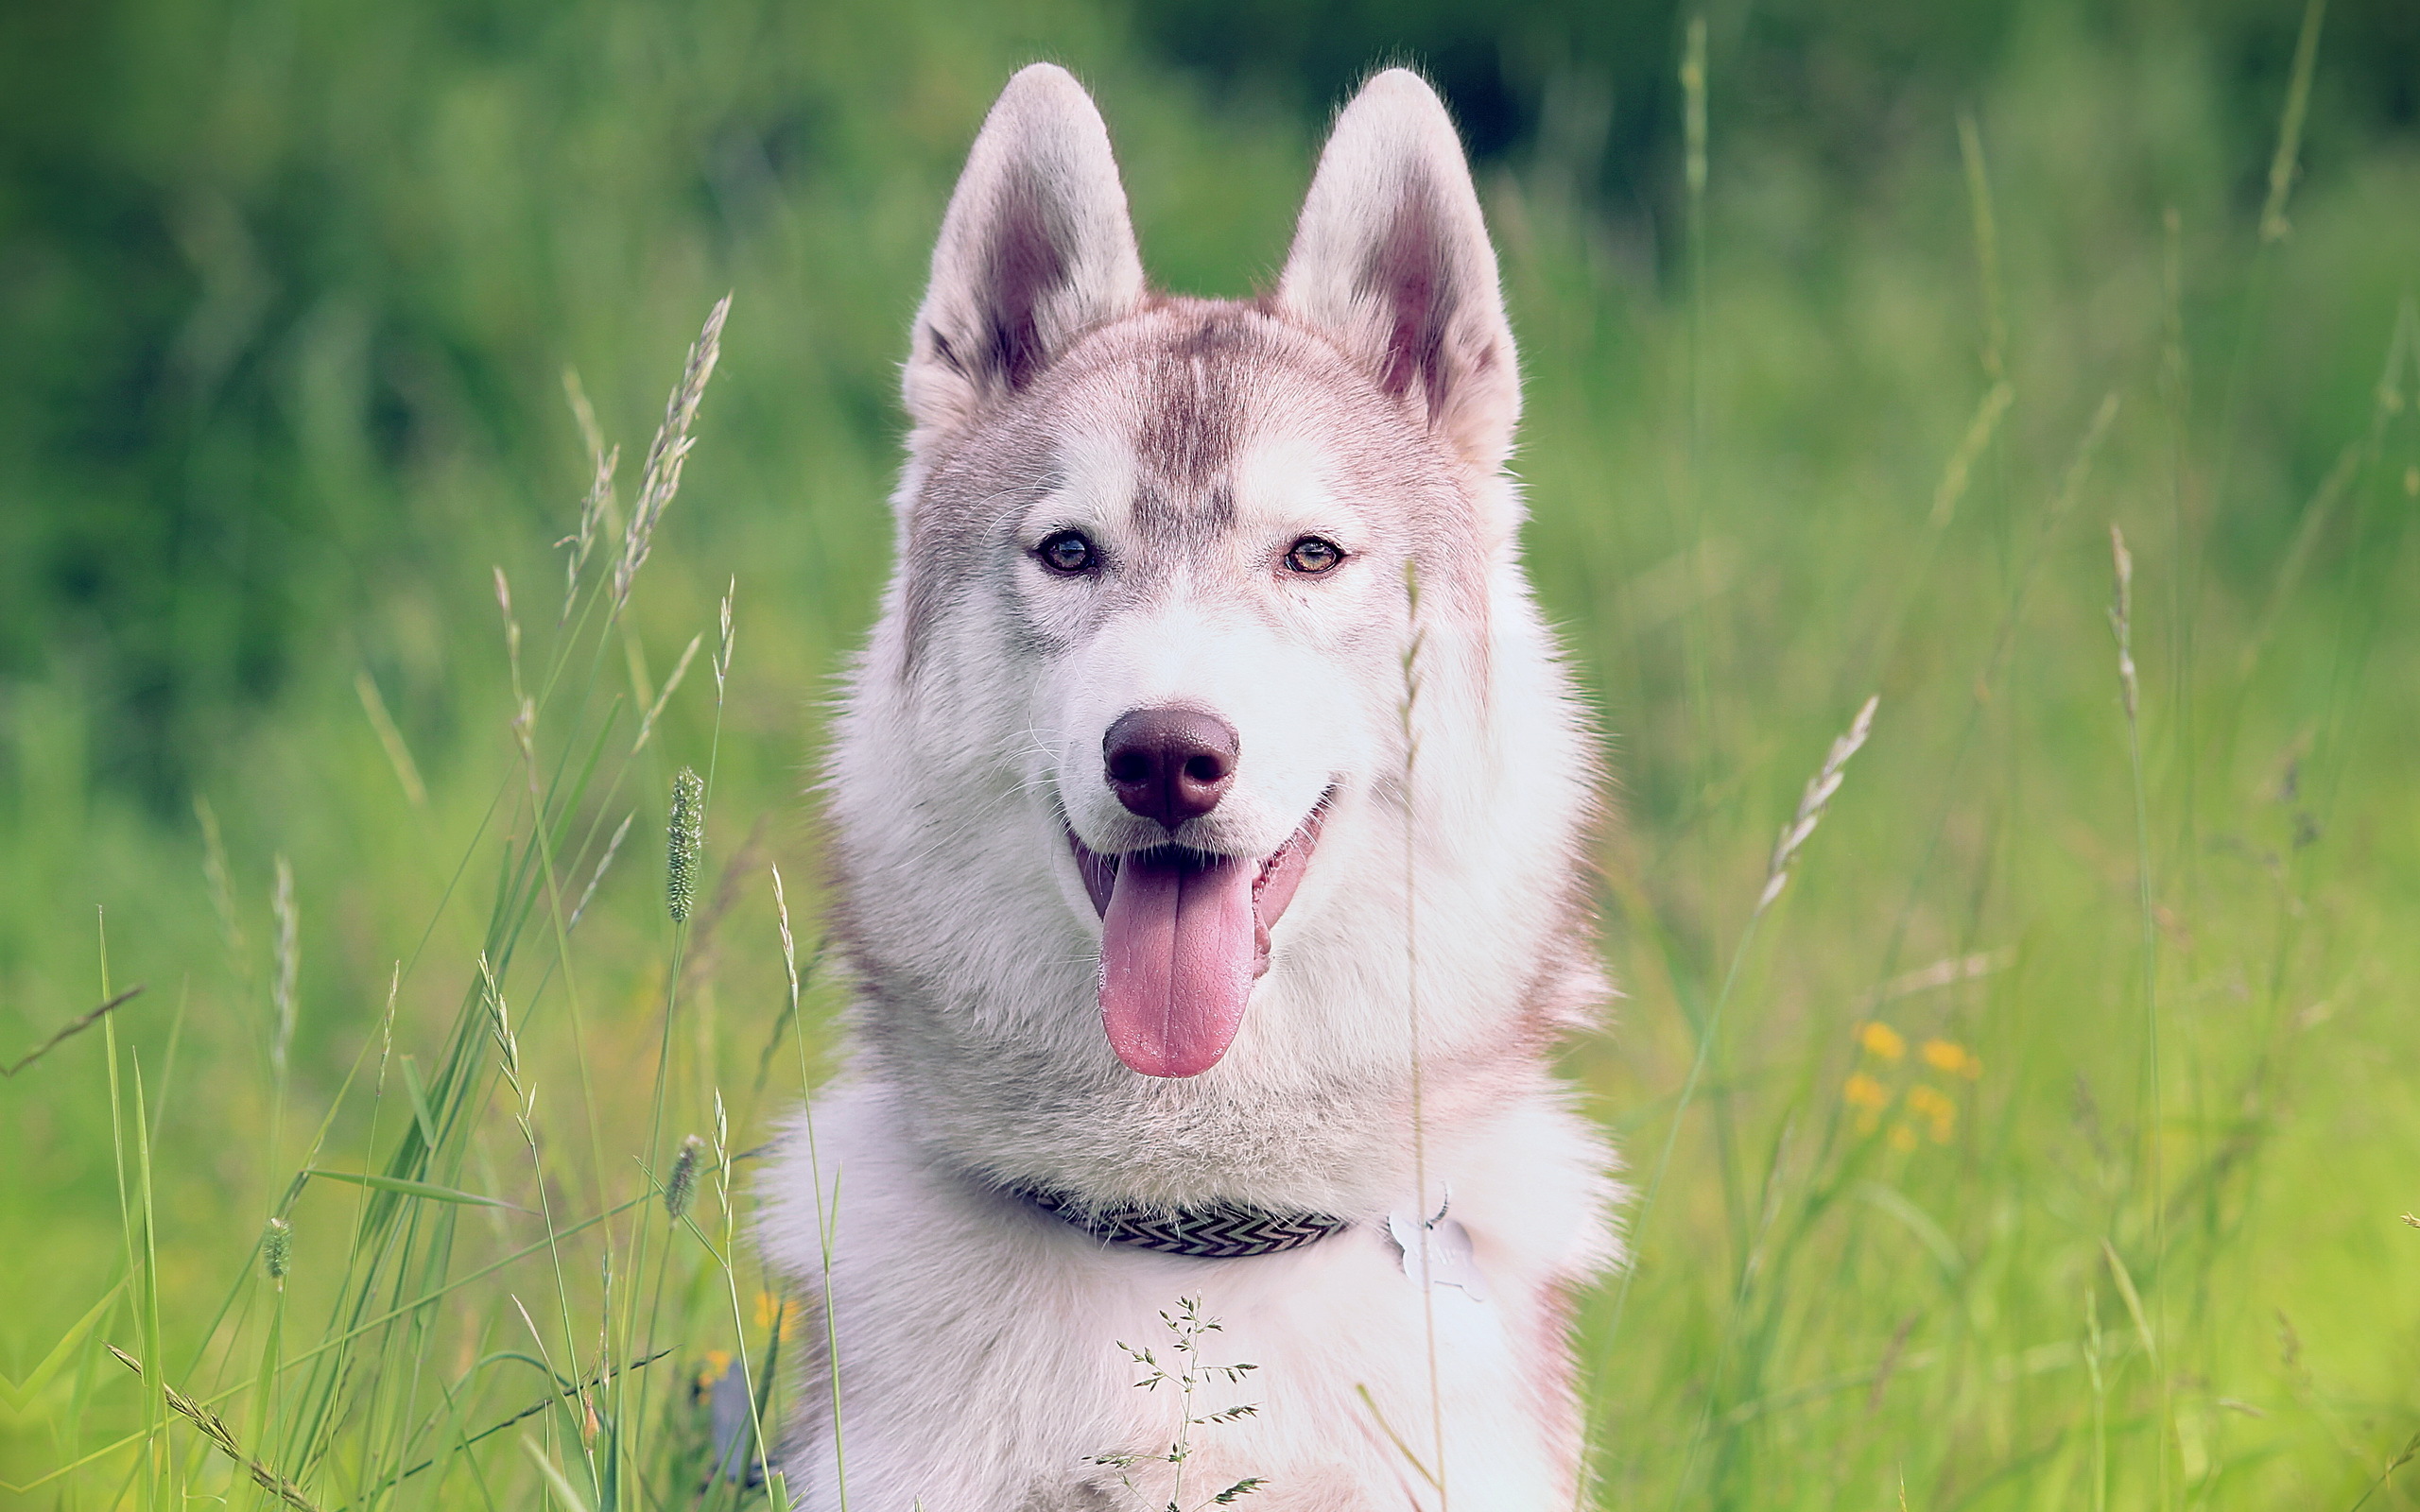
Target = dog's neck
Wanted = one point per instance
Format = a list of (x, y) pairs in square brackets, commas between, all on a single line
[(1250, 1132)]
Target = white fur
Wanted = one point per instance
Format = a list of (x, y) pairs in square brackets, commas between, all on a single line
[(979, 1366)]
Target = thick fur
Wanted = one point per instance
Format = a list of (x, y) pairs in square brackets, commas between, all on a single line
[(1369, 401)]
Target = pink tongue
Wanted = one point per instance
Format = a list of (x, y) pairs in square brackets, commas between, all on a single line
[(1176, 961)]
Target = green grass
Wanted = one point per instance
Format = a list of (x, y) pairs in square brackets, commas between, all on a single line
[(2148, 1255)]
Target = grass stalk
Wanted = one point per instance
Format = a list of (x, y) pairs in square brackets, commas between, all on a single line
[(2285, 166), (827, 1217), (1698, 648), (1408, 709), (2123, 626), (1811, 805)]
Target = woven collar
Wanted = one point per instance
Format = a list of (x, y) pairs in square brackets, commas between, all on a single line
[(1217, 1231)]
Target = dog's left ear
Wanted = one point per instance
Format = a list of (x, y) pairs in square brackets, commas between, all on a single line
[(1392, 258), (1036, 250)]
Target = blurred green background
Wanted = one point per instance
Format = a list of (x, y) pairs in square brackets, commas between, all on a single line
[(287, 296)]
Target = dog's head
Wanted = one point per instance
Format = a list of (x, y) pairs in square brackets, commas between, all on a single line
[(1145, 704)]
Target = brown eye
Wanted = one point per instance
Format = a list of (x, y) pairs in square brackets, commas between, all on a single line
[(1068, 551), (1314, 556)]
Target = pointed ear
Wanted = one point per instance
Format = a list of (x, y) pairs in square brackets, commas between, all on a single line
[(1035, 249), (1392, 258)]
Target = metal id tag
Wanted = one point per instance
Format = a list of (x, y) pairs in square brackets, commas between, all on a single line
[(1447, 1254)]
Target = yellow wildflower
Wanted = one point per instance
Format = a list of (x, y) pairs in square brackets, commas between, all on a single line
[(718, 1363), (1902, 1137), (1882, 1041), (1953, 1057), (769, 1307), (1936, 1109), (1869, 1097)]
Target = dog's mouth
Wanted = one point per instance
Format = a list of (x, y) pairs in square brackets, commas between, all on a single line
[(1184, 935)]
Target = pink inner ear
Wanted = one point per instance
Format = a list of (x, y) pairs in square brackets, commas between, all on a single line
[(1391, 258), (1035, 248), (1409, 273), (1024, 265)]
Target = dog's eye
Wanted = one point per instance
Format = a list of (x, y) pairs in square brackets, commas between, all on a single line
[(1314, 556), (1067, 551)]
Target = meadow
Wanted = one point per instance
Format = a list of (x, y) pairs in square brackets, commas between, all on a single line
[(2049, 1141)]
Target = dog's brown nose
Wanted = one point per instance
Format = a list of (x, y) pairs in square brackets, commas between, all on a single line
[(1169, 765)]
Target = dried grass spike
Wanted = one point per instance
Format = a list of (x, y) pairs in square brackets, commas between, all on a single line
[(613, 848), (668, 453), (1812, 802), (2121, 616), (288, 964)]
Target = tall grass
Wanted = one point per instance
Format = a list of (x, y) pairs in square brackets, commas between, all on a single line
[(631, 1399), (1936, 1224)]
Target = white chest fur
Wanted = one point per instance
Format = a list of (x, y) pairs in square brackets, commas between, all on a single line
[(979, 1338)]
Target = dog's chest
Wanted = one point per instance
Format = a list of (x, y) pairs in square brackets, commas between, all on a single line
[(989, 1349), (1332, 1413)]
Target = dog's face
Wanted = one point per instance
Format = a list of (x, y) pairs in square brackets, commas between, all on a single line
[(1161, 559), (1206, 566)]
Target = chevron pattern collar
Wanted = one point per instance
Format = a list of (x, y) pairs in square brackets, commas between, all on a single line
[(1217, 1231)]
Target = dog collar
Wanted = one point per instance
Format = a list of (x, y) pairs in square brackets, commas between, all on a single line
[(1216, 1232)]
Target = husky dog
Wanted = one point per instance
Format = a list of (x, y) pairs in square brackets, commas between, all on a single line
[(1208, 814)]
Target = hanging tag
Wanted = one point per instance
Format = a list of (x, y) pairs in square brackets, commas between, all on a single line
[(1448, 1258)]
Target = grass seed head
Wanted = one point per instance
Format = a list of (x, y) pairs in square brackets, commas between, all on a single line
[(2121, 615), (277, 1249), (668, 453), (596, 509), (682, 1185), (1812, 802), (612, 847), (686, 841), (722, 658), (790, 942), (289, 964), (215, 871)]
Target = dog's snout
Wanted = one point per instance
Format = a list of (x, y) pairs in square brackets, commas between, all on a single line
[(1169, 765)]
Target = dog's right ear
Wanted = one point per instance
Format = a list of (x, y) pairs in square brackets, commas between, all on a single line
[(1036, 249)]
